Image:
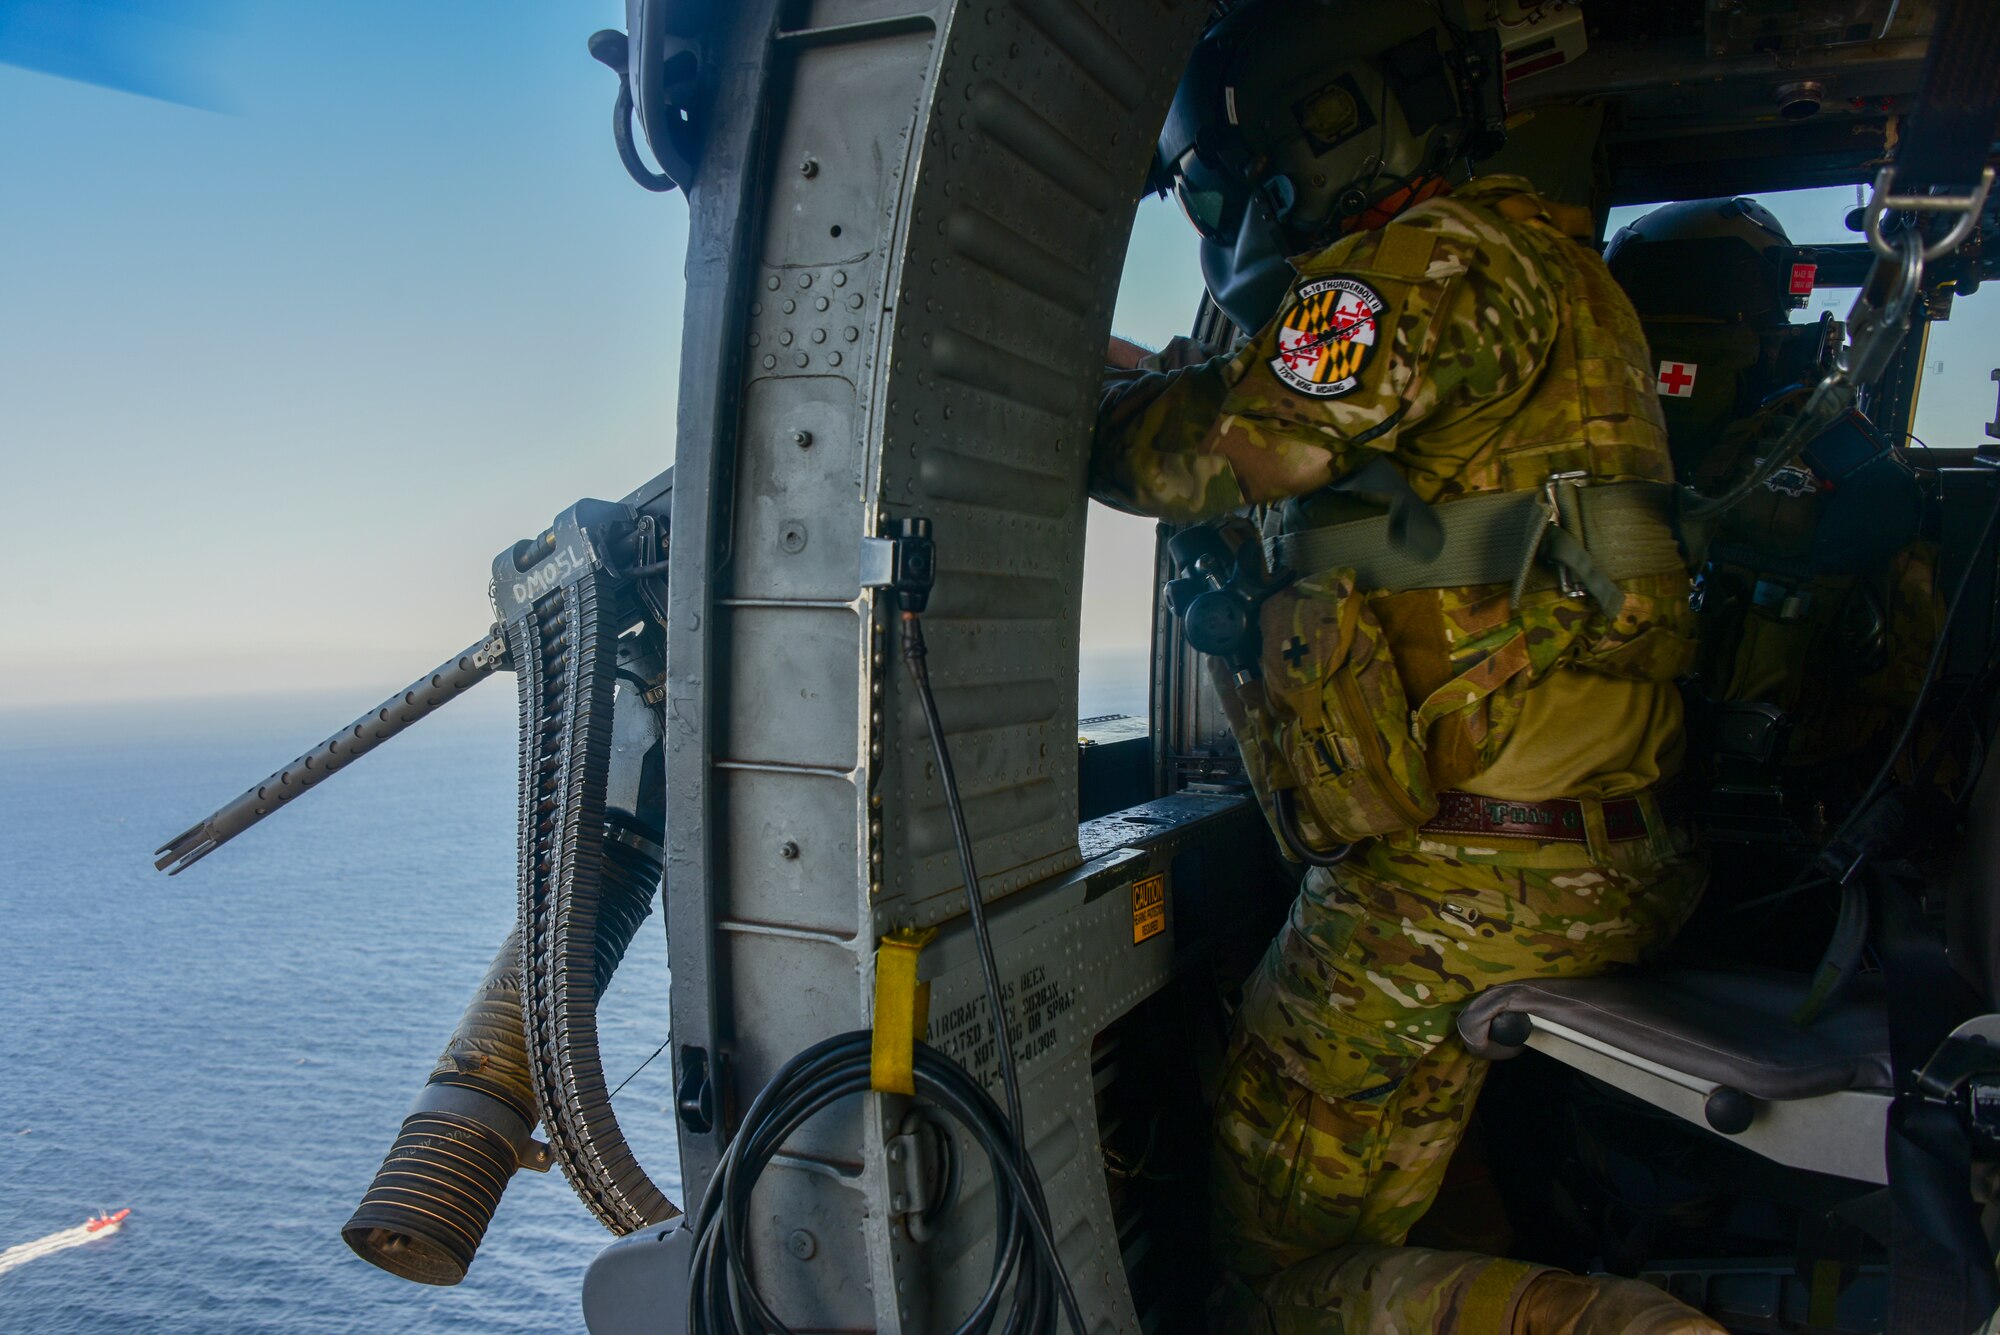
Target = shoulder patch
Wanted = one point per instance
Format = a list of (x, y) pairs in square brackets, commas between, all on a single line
[(1327, 336)]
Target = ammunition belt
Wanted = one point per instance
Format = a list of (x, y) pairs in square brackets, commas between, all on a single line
[(582, 892)]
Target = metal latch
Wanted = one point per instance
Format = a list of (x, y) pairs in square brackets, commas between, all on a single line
[(920, 1167), (904, 562), (1571, 587), (1967, 207)]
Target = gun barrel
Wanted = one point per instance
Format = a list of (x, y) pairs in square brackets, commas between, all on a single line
[(445, 683)]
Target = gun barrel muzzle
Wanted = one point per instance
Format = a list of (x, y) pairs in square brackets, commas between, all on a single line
[(420, 698)]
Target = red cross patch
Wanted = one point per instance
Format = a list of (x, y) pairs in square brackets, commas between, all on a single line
[(1676, 380)]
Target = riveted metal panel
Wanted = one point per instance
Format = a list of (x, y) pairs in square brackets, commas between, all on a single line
[(900, 308)]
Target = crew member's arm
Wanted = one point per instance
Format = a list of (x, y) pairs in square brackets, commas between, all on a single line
[(1421, 329)]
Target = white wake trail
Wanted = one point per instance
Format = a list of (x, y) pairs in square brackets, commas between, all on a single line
[(16, 1257)]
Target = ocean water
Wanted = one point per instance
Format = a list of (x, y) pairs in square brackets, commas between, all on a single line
[(229, 1052)]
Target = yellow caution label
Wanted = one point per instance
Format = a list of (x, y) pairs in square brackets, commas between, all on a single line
[(1149, 907)]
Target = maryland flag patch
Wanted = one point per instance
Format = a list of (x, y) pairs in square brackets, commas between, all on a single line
[(1327, 336)]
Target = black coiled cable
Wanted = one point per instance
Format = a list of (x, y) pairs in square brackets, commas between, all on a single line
[(723, 1297)]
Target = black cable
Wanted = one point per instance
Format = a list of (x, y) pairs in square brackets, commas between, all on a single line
[(914, 658), (640, 1067), (1028, 1280), (724, 1296), (1916, 710)]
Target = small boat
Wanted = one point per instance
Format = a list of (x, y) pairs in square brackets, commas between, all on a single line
[(106, 1223)]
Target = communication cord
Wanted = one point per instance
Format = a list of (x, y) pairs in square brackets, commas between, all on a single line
[(723, 1298), (1916, 709)]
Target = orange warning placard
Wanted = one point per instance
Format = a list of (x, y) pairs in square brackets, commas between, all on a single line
[(1149, 907)]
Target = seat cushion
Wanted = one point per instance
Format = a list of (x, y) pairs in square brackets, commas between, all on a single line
[(1721, 1027)]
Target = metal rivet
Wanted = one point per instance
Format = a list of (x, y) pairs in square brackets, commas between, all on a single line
[(819, 335), (805, 280), (854, 300), (809, 168), (850, 333), (789, 306), (792, 537), (772, 282), (820, 304), (789, 850), (769, 361), (833, 358), (802, 359), (840, 278), (802, 439), (785, 338), (802, 1244)]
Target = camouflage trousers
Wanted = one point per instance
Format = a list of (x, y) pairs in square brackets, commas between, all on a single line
[(1370, 1290), (1347, 1087)]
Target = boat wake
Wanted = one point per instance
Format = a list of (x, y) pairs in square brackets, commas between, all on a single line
[(88, 1231)]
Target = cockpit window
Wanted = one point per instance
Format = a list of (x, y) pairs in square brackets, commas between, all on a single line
[(1815, 217), (1956, 394)]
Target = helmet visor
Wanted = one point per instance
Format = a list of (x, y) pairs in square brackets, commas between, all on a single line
[(1212, 201)]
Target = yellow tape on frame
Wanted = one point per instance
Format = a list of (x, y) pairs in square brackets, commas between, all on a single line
[(902, 1010)]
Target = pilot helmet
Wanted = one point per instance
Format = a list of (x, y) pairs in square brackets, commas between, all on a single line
[(1714, 282), (1722, 260), (1296, 118)]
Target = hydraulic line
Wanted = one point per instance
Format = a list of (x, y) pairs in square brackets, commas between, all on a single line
[(583, 877)]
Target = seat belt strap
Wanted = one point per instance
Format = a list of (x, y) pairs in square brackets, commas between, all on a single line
[(1595, 536)]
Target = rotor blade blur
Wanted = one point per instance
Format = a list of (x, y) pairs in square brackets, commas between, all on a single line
[(163, 49)]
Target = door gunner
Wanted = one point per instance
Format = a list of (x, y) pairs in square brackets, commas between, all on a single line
[(1443, 424)]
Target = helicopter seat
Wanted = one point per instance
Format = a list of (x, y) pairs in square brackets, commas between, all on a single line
[(1719, 1048)]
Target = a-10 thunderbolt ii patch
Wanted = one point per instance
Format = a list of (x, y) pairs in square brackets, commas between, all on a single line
[(1327, 336)]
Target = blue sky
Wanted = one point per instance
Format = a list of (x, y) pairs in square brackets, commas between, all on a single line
[(276, 382)]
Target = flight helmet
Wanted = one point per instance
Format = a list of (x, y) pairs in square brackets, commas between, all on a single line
[(1297, 119), (1714, 282), (1725, 260)]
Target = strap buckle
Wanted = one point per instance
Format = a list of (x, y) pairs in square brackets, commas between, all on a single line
[(1552, 505)]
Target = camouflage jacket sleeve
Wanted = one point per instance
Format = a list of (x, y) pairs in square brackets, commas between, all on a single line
[(1425, 320), (1148, 456)]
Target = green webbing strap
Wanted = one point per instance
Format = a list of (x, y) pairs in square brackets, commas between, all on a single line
[(1608, 532)]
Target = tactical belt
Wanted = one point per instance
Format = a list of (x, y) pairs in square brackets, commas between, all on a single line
[(1581, 536), (1554, 820)]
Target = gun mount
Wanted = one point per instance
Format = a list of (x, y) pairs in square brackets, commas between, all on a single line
[(580, 620)]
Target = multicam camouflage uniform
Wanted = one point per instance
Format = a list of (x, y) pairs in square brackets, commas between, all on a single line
[(1494, 352), (1399, 1291)]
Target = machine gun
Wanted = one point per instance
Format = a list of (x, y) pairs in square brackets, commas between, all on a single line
[(580, 619)]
